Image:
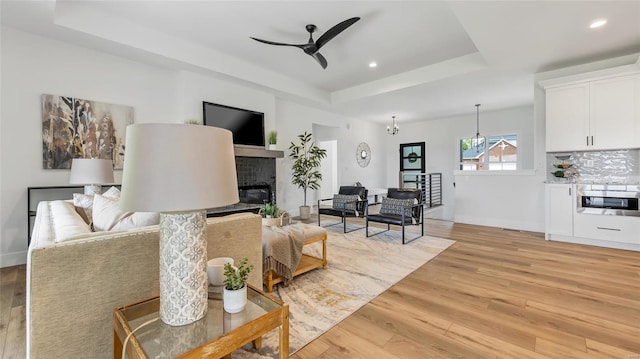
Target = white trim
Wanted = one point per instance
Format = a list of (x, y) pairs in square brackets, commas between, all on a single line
[(593, 242), (486, 162), (523, 225), (495, 173), (13, 259), (592, 76)]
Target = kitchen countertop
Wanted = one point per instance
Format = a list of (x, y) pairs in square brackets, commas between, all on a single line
[(584, 181)]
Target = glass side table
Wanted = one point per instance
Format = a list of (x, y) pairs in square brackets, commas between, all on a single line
[(215, 336)]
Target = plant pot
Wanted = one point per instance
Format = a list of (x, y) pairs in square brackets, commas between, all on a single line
[(305, 212), (272, 147), (234, 301)]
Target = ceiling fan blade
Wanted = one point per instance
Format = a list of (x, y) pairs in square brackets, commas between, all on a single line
[(334, 31), (321, 60), (277, 43)]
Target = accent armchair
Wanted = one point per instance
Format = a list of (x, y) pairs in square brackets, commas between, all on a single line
[(351, 201), (401, 207)]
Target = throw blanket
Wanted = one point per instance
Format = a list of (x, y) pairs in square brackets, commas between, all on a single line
[(282, 250)]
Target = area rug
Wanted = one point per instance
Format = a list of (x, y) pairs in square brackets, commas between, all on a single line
[(359, 269)]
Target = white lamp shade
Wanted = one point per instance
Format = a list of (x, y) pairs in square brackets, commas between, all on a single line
[(91, 171), (178, 167)]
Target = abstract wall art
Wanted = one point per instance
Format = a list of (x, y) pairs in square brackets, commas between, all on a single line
[(79, 128)]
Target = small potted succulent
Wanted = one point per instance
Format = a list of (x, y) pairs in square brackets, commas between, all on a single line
[(273, 139), (270, 210), (235, 286)]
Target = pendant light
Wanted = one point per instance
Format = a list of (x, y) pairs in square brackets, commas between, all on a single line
[(479, 140), (393, 131)]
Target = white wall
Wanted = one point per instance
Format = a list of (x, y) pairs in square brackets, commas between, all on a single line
[(293, 119), (513, 200), (194, 88), (32, 65), (441, 137)]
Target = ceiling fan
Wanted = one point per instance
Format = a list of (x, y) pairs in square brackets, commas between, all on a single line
[(311, 48)]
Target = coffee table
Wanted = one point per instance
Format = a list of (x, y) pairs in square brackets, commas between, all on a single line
[(215, 336), (312, 234)]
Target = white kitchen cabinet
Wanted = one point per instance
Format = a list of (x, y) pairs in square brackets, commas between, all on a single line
[(615, 113), (607, 228), (560, 208), (594, 115), (567, 117)]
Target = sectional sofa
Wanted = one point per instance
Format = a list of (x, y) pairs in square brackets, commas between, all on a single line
[(75, 280)]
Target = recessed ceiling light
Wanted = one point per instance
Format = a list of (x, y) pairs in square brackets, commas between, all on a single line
[(598, 23), (372, 64)]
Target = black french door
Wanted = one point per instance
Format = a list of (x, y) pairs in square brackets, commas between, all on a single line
[(412, 164)]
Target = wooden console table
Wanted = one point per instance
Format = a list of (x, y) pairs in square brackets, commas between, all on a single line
[(216, 335)]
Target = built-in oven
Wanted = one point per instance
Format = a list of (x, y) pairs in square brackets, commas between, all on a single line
[(608, 199)]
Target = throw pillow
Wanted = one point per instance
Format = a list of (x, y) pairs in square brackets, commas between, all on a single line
[(84, 202), (108, 216), (112, 192), (84, 205), (395, 206), (138, 220), (345, 201), (66, 222)]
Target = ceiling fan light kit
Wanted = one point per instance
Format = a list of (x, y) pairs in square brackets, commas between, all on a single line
[(312, 48)]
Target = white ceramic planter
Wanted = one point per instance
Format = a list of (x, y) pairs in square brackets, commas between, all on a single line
[(234, 301), (305, 212), (272, 147)]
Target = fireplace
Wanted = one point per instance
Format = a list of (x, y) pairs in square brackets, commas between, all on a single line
[(255, 194), (256, 185), (256, 173)]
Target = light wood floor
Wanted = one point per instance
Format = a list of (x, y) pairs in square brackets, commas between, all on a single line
[(495, 293), (499, 294)]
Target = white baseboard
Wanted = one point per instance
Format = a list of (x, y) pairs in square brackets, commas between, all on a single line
[(501, 223), (13, 259), (594, 242)]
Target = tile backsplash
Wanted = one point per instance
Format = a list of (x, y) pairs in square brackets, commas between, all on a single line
[(619, 166)]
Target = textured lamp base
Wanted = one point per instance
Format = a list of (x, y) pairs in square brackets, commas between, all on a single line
[(183, 263), (179, 340), (91, 189)]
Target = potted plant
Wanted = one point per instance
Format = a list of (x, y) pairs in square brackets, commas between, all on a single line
[(235, 286), (270, 210), (273, 139), (306, 158)]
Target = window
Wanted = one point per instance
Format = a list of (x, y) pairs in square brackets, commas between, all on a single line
[(412, 163), (494, 153)]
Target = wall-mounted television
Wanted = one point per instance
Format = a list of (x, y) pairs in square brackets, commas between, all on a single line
[(247, 126)]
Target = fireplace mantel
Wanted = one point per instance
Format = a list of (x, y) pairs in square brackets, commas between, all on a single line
[(242, 151)]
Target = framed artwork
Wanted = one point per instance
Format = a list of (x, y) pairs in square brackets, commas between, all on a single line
[(79, 128)]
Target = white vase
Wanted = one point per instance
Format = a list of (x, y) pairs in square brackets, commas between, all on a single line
[(234, 301), (272, 147)]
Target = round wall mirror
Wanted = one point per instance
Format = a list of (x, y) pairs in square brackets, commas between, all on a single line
[(363, 154)]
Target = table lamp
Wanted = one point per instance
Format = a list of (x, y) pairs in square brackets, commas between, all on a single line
[(180, 170), (91, 172)]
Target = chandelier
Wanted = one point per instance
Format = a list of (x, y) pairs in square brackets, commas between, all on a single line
[(393, 130)]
